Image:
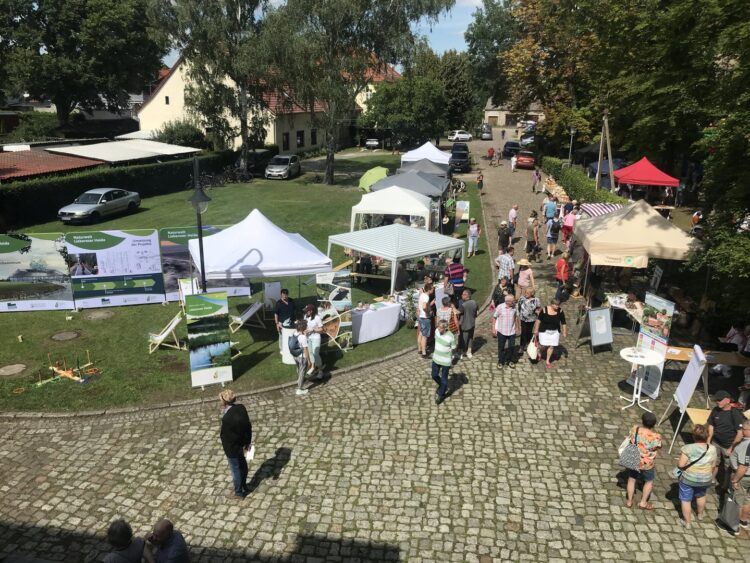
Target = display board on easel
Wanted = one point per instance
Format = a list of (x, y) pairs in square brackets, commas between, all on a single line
[(599, 325), (684, 392)]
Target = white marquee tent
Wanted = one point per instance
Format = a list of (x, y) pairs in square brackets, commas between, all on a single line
[(393, 201), (396, 243), (428, 151), (256, 248)]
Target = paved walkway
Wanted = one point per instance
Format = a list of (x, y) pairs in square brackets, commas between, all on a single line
[(518, 465)]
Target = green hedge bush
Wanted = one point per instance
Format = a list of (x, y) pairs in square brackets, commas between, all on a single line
[(576, 184), (33, 201)]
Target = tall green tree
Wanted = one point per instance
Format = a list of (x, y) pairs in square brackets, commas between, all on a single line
[(412, 108), (87, 53), (227, 63), (461, 97), (328, 50), (489, 35)]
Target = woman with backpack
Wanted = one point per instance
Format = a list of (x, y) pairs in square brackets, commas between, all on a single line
[(300, 351), (553, 232)]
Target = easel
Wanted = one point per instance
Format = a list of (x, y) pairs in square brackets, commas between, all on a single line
[(684, 392), (601, 339)]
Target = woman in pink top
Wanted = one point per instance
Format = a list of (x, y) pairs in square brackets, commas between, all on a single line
[(569, 222), (525, 277)]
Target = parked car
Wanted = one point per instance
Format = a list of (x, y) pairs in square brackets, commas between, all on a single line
[(94, 204), (526, 123), (372, 144), (460, 147), (527, 139), (459, 135), (258, 160), (283, 166), (526, 159), (486, 135), (460, 161), (510, 148)]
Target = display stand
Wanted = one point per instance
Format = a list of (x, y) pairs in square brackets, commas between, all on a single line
[(686, 388), (599, 327), (638, 359)]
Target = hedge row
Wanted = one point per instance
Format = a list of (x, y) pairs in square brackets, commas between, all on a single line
[(28, 202), (576, 184)]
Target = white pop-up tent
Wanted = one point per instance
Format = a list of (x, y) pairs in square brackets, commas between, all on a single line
[(396, 243), (629, 236), (393, 201), (428, 151), (256, 248)]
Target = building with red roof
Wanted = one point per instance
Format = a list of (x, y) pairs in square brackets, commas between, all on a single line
[(27, 164)]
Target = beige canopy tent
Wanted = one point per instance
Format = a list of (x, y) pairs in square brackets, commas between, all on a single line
[(630, 236)]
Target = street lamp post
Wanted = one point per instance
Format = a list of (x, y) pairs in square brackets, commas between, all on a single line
[(570, 149), (199, 201)]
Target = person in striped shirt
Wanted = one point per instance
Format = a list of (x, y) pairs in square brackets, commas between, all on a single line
[(442, 358), (454, 275)]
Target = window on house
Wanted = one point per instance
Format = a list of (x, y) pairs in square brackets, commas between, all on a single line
[(166, 100), (285, 142), (300, 139), (313, 137)]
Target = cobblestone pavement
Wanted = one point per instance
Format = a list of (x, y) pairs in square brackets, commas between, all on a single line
[(516, 465)]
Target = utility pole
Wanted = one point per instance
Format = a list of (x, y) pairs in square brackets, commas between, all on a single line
[(601, 154), (609, 151)]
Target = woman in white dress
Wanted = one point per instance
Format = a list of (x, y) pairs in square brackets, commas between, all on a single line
[(314, 330), (549, 326)]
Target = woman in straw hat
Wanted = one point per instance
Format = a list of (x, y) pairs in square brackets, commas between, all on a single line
[(525, 277)]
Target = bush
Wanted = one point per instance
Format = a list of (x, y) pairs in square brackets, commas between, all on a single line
[(576, 184), (33, 201), (34, 126), (182, 132)]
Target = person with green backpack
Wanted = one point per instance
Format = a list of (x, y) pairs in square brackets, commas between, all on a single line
[(300, 351)]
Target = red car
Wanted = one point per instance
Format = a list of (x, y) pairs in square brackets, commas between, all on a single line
[(525, 159)]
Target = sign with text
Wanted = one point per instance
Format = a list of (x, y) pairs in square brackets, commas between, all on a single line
[(176, 263), (110, 268), (33, 273), (651, 374), (208, 338)]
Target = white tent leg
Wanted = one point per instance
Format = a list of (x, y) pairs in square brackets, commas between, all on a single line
[(394, 271)]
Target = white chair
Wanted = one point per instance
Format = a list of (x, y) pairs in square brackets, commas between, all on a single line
[(156, 340), (245, 318)]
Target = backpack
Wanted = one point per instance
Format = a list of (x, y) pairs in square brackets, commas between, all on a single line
[(555, 227), (295, 348)]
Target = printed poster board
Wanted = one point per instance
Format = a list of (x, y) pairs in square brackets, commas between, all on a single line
[(657, 317), (600, 326), (33, 273), (689, 380), (176, 263), (335, 295), (208, 338)]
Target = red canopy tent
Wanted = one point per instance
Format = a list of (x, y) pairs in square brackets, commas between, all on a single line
[(643, 173)]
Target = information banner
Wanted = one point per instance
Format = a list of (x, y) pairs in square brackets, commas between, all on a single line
[(111, 268), (335, 293), (657, 317), (33, 273), (176, 262), (208, 338)]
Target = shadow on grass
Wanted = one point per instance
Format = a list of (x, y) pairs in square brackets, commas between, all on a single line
[(24, 543)]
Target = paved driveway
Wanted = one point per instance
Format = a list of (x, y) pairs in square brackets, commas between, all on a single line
[(517, 465)]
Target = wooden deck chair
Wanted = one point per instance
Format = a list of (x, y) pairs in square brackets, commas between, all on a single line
[(246, 318), (271, 294), (156, 340)]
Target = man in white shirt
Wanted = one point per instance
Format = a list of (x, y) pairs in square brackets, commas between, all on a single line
[(512, 220)]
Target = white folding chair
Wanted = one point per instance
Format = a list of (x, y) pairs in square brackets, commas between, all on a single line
[(156, 340), (246, 318)]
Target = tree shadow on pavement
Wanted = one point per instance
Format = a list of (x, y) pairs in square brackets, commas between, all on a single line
[(270, 469)]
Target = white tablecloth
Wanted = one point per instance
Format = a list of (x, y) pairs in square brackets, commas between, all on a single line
[(368, 325)]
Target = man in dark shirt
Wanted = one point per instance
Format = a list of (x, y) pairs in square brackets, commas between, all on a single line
[(236, 437), (284, 315), (171, 546), (725, 432), (503, 236)]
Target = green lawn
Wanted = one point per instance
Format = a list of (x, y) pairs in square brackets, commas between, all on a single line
[(118, 345)]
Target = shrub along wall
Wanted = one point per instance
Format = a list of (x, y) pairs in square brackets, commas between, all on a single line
[(576, 184), (34, 201)]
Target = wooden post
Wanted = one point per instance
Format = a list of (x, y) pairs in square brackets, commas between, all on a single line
[(601, 153), (609, 151)]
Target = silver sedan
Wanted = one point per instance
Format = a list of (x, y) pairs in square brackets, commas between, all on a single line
[(94, 204)]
